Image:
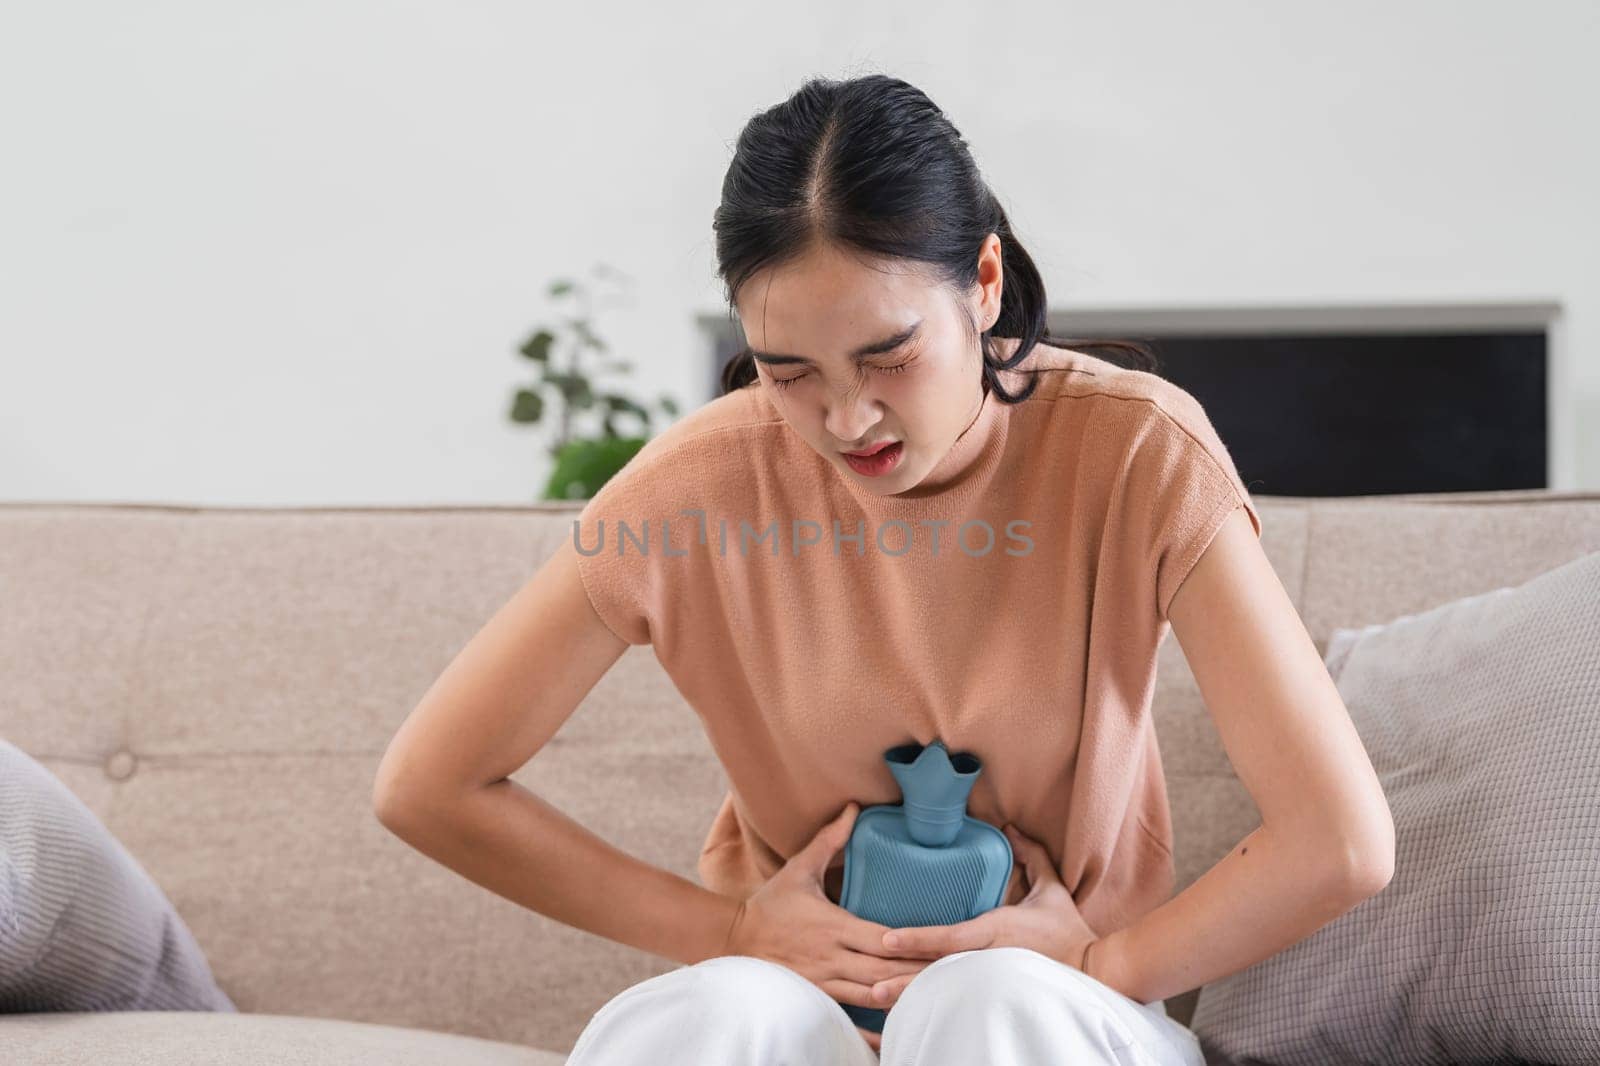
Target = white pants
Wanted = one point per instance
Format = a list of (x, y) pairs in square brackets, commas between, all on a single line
[(1006, 1006)]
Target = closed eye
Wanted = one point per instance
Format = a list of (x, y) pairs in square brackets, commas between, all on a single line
[(784, 383)]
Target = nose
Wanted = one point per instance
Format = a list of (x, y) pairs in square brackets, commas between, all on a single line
[(850, 418)]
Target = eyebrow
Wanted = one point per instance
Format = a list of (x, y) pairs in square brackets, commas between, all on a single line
[(866, 351)]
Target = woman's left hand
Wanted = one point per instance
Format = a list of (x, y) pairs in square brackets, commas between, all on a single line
[(1046, 920)]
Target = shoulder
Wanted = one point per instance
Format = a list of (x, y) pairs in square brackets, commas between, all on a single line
[(1127, 404), (1168, 447), (1081, 380)]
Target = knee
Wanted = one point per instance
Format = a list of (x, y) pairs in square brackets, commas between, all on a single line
[(772, 1005), (727, 1008), (746, 981), (979, 979)]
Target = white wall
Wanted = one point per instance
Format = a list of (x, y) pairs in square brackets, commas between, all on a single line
[(283, 253)]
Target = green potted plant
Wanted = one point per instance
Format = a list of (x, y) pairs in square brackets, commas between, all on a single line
[(585, 457)]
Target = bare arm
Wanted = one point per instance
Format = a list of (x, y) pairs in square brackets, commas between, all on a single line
[(1326, 841), (443, 785)]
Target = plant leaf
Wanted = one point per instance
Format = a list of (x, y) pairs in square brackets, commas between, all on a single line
[(527, 406), (582, 466), (537, 347), (574, 387), (622, 403)]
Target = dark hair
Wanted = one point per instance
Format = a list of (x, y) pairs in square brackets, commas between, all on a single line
[(871, 164)]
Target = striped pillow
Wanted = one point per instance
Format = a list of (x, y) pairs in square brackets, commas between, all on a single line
[(82, 925)]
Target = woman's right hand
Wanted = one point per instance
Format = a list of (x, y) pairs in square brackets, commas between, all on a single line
[(790, 920)]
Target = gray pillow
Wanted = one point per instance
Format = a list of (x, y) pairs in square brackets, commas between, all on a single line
[(82, 925), (1482, 718)]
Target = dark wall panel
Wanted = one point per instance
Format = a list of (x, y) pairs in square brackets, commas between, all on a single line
[(1359, 415)]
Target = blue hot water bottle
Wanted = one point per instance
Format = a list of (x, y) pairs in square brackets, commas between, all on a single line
[(923, 861)]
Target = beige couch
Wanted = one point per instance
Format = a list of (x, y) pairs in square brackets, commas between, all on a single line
[(218, 684)]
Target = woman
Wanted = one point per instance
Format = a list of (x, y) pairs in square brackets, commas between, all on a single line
[(997, 573)]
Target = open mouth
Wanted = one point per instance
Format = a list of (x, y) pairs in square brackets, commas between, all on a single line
[(879, 461), (874, 450)]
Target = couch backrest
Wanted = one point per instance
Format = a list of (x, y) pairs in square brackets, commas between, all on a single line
[(219, 684)]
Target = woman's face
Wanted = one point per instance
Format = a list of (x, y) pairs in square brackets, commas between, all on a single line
[(807, 320)]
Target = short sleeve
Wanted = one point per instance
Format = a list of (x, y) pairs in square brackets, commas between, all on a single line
[(619, 543), (1185, 482)]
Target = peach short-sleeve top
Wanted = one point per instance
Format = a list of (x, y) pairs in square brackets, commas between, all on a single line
[(1011, 605)]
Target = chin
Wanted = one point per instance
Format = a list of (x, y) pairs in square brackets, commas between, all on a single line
[(889, 484)]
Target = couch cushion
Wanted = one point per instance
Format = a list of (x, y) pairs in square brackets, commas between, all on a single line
[(156, 1038), (1482, 719)]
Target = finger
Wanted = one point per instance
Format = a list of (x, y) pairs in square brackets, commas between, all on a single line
[(887, 993), (844, 990), (864, 936), (831, 839), (1023, 841), (868, 990), (934, 941), (874, 1040), (871, 971), (1035, 859), (869, 961)]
